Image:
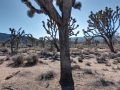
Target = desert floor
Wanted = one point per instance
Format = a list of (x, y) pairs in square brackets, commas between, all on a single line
[(92, 70)]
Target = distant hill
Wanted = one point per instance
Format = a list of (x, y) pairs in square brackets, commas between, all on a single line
[(4, 37), (82, 39)]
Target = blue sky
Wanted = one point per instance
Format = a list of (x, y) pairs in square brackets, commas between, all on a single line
[(13, 14)]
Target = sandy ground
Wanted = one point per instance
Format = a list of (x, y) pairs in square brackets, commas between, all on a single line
[(27, 77)]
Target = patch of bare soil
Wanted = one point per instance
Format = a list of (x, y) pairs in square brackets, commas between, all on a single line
[(92, 70)]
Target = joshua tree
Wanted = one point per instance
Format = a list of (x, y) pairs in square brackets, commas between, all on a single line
[(29, 37), (103, 24), (53, 29), (76, 41), (15, 36), (88, 40), (42, 41), (65, 7), (19, 37)]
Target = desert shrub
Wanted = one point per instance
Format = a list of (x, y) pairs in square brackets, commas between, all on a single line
[(44, 54), (97, 54), (88, 71), (118, 59), (91, 52), (108, 64), (115, 62), (17, 60), (118, 54), (31, 60), (88, 56), (112, 55), (74, 67), (103, 82), (25, 50), (7, 58), (15, 51), (80, 47), (86, 52), (55, 56), (1, 61), (46, 76), (4, 50), (101, 59)]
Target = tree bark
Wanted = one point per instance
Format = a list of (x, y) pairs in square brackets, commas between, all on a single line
[(110, 44), (66, 79)]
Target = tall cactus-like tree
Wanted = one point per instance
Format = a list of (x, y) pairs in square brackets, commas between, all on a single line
[(104, 24), (76, 42), (88, 40), (19, 36), (52, 30), (14, 36), (42, 41), (65, 6)]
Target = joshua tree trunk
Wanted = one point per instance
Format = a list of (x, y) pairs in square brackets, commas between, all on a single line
[(110, 44), (66, 79), (17, 45), (11, 47)]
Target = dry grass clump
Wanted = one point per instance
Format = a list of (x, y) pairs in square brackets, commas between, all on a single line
[(17, 60), (46, 76), (103, 82), (108, 64), (96, 53), (118, 54), (112, 55), (44, 54), (31, 60), (4, 50), (24, 50), (118, 59), (1, 61), (102, 59), (75, 67), (21, 60), (86, 52), (7, 58)]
